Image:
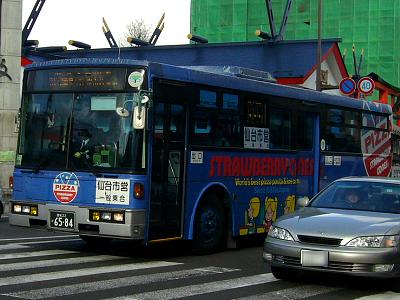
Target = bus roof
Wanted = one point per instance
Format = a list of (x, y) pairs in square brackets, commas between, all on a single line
[(230, 77)]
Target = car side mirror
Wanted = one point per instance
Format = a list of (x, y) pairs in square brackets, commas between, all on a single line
[(303, 201)]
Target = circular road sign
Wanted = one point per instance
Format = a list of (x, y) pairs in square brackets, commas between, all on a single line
[(347, 86), (366, 85)]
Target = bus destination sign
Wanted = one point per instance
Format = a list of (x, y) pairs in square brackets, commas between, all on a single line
[(77, 79)]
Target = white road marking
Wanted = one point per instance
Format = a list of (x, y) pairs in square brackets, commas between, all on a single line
[(300, 292), (54, 241), (383, 296), (39, 238), (35, 254), (204, 288), (83, 272), (12, 247), (57, 262), (74, 289)]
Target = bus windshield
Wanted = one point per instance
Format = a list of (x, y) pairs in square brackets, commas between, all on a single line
[(79, 131)]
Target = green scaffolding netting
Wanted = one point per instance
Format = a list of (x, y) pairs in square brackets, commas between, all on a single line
[(372, 25)]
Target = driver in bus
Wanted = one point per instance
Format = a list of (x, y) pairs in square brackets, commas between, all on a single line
[(85, 135)]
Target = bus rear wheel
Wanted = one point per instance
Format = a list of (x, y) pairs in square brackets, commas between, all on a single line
[(209, 228)]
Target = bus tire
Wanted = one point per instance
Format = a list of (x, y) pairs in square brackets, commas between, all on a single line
[(209, 227)]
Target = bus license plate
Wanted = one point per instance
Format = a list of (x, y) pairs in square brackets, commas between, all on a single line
[(64, 220)]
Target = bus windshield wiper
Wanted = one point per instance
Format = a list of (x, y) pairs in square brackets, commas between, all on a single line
[(84, 156), (44, 159)]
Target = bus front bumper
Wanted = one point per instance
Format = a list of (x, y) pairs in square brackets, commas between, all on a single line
[(132, 227)]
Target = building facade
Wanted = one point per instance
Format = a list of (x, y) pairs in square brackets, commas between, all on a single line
[(372, 25), (10, 78)]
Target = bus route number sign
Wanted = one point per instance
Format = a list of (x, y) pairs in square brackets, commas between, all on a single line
[(113, 191), (366, 85)]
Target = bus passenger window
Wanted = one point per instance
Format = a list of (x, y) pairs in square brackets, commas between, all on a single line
[(280, 129), (208, 99), (343, 139), (256, 114), (202, 129), (351, 118), (220, 135), (305, 132), (335, 116)]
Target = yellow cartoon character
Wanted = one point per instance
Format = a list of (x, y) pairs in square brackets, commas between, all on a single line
[(290, 204), (252, 213), (271, 205)]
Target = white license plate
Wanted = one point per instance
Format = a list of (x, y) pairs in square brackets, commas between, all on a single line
[(311, 258), (64, 220)]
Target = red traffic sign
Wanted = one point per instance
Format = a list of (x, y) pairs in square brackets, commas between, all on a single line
[(366, 85), (347, 86)]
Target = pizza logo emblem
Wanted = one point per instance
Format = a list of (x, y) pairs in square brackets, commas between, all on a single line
[(65, 187)]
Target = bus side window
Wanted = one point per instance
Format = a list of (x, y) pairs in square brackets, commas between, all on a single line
[(202, 129), (217, 121), (305, 134), (280, 129)]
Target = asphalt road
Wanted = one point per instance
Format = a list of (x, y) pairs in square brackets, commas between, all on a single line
[(37, 264)]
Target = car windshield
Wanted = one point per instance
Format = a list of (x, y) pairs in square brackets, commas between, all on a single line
[(360, 195)]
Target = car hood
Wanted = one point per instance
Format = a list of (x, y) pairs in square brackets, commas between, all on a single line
[(339, 224)]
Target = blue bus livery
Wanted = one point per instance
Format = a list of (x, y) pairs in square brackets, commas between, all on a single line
[(118, 148)]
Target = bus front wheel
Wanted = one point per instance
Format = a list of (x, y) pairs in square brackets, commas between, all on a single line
[(209, 228)]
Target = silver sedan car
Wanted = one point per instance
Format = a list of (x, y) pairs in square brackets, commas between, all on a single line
[(350, 227)]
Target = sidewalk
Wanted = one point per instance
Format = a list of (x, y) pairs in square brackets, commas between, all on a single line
[(6, 203)]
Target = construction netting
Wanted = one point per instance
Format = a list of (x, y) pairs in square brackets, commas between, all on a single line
[(372, 25)]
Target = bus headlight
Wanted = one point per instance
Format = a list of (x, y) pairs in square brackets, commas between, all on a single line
[(17, 208), (118, 217), (106, 216), (25, 209)]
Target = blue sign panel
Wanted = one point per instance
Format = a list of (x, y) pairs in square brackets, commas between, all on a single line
[(347, 86)]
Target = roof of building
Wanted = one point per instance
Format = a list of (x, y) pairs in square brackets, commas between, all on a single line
[(284, 59)]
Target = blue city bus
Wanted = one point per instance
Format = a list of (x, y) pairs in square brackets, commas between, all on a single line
[(129, 149)]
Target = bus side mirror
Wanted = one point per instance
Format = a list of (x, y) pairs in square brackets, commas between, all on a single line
[(139, 111), (139, 117), (303, 201), (122, 112)]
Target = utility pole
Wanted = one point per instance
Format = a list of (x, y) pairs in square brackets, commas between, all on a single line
[(319, 50)]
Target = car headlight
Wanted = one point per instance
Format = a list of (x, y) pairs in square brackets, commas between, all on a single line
[(379, 241), (280, 233)]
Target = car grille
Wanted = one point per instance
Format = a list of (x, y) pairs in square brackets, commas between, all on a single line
[(319, 240), (332, 265)]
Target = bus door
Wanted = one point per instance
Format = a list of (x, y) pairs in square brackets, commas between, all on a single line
[(308, 154), (167, 171)]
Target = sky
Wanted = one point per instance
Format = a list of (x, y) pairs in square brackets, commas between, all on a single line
[(63, 20)]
